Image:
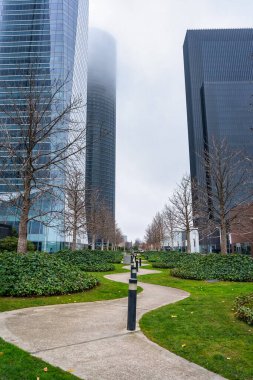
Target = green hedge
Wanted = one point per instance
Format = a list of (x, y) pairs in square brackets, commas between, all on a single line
[(40, 274), (244, 308), (88, 261), (153, 256), (215, 266), (10, 243), (172, 259)]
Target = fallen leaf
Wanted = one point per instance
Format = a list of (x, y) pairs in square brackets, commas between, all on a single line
[(38, 378), (173, 316), (70, 370), (184, 345), (228, 358), (1, 353), (45, 369)]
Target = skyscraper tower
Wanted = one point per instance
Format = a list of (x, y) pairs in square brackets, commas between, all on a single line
[(101, 118), (219, 88), (49, 36)]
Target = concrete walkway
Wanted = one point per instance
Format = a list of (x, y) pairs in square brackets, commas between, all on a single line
[(91, 340)]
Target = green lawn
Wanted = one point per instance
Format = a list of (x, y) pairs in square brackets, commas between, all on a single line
[(202, 328), (16, 364)]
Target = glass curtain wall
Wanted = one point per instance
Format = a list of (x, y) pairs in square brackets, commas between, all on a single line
[(37, 36)]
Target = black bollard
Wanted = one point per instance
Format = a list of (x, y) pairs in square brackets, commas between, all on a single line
[(137, 265), (140, 261), (132, 298), (132, 259), (133, 271)]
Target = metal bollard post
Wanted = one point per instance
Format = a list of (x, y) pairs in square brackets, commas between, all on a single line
[(132, 298), (132, 259), (133, 271), (137, 265), (140, 261)]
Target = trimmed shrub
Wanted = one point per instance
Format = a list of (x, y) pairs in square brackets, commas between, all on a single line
[(153, 256), (10, 243), (40, 274), (244, 308), (214, 266), (88, 261), (172, 259), (114, 257)]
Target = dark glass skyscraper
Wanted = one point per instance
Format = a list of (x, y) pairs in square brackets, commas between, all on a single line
[(49, 36), (219, 88), (101, 118)]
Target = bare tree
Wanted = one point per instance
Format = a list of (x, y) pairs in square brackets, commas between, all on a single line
[(45, 134), (93, 216), (118, 238), (181, 200), (155, 232), (170, 223), (227, 188), (107, 226), (74, 192)]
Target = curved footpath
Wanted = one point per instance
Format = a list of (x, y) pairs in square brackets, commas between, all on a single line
[(90, 339)]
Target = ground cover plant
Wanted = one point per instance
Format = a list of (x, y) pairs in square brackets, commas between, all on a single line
[(244, 308), (10, 243), (153, 256), (215, 266), (233, 267), (203, 328), (172, 259), (91, 261), (37, 274), (16, 364), (105, 290)]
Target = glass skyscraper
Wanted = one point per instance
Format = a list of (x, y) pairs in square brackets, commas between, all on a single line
[(52, 37), (101, 118), (219, 89)]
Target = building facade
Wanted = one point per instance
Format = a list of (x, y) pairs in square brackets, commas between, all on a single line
[(101, 119), (49, 36), (219, 86)]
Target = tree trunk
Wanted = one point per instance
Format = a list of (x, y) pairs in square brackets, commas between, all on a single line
[(223, 239), (93, 242), (107, 245), (102, 245), (22, 231), (188, 237), (22, 234), (74, 238)]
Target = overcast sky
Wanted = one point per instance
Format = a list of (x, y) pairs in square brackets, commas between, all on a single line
[(152, 139)]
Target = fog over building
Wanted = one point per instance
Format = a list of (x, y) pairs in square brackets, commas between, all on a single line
[(49, 36), (101, 118)]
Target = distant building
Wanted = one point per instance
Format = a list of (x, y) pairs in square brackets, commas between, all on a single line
[(219, 86), (241, 236), (180, 241), (101, 119)]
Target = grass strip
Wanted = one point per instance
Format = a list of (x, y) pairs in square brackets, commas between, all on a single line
[(203, 327), (16, 364)]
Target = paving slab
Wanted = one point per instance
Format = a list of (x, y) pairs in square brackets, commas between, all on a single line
[(91, 339)]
